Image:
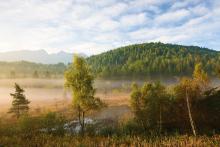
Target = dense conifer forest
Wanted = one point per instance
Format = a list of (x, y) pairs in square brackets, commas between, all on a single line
[(154, 59)]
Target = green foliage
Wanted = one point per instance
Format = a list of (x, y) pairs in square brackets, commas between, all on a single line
[(138, 60), (157, 112), (131, 128), (80, 80), (29, 125), (207, 112), (19, 102), (25, 69), (205, 107), (153, 60), (53, 123), (108, 131), (200, 77), (191, 105), (149, 104), (193, 88)]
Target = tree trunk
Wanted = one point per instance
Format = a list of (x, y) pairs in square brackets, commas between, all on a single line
[(79, 117), (190, 115), (83, 123)]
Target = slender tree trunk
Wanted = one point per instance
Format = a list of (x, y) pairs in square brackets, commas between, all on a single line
[(79, 117), (83, 123), (190, 115)]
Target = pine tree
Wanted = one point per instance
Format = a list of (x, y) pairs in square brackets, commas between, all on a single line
[(19, 103)]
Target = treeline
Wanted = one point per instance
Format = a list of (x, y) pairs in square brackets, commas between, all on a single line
[(153, 60), (24, 69), (191, 106)]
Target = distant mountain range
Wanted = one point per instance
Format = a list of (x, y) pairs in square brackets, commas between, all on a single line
[(39, 56)]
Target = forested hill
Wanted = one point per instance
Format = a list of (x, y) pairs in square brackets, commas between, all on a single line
[(154, 59), (24, 69)]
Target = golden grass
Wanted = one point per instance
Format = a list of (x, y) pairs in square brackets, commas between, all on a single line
[(73, 141)]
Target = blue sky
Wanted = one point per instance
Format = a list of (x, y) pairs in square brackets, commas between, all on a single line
[(95, 26)]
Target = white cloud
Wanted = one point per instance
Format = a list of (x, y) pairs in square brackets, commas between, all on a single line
[(172, 17), (95, 26), (134, 20), (200, 10)]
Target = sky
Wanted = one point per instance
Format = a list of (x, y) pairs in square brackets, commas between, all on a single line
[(95, 26)]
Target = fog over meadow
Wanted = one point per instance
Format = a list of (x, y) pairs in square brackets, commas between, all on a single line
[(49, 92)]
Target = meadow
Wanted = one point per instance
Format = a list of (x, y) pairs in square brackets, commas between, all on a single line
[(49, 96)]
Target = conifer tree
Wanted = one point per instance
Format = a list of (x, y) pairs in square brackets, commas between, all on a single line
[(19, 102)]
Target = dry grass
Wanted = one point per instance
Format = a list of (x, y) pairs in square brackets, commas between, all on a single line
[(70, 141)]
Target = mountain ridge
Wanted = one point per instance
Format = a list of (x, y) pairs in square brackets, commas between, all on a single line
[(37, 56)]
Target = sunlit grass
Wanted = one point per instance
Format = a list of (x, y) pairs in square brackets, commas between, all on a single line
[(56, 141)]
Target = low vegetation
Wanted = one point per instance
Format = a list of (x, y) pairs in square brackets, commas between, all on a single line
[(66, 141)]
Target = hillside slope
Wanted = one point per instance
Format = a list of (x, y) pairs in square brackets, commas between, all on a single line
[(153, 59)]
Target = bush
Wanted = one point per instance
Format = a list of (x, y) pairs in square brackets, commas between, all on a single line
[(52, 123), (108, 131), (131, 127), (28, 125), (91, 129)]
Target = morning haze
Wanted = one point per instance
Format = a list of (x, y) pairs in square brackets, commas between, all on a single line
[(109, 73)]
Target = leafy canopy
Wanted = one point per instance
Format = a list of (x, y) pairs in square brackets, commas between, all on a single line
[(80, 80)]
